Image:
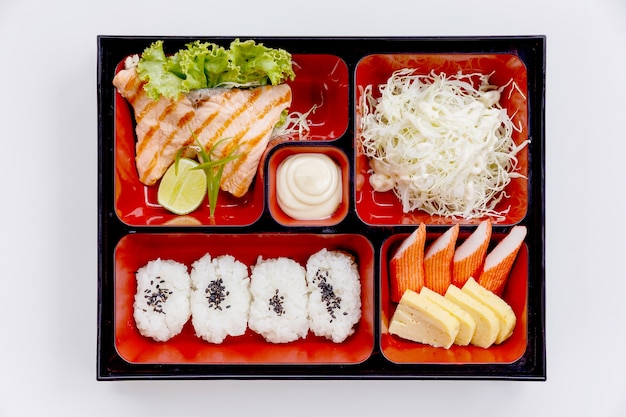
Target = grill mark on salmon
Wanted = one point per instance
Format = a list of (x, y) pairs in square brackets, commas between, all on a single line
[(245, 117), (196, 132), (256, 144), (145, 110), (254, 141), (157, 126), (185, 119), (170, 143), (231, 145), (153, 129), (153, 162), (218, 134)]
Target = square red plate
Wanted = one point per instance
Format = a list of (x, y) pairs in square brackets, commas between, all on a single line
[(380, 209), (404, 351), (135, 250), (321, 81)]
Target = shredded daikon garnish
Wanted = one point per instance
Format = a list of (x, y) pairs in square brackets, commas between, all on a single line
[(442, 143), (295, 124)]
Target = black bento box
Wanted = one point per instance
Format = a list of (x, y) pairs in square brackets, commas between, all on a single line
[(132, 229)]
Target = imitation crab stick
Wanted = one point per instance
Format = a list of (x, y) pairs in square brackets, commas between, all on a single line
[(499, 261), (470, 255), (407, 264), (438, 261)]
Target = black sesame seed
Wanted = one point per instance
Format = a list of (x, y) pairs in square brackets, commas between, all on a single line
[(216, 293), (276, 304), (328, 296), (157, 296)]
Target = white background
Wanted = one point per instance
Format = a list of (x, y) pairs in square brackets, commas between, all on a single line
[(48, 207)]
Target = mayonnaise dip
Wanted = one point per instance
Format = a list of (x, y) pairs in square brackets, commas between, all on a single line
[(308, 186)]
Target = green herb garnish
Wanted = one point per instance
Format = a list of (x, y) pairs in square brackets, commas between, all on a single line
[(213, 169)]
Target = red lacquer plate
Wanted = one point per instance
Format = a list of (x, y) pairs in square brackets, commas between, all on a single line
[(321, 83), (398, 350), (135, 250), (378, 209)]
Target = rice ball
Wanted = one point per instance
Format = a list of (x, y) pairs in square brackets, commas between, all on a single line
[(334, 287), (161, 305), (278, 310), (220, 297)]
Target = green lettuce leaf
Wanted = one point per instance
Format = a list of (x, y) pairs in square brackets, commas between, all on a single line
[(153, 68), (206, 65)]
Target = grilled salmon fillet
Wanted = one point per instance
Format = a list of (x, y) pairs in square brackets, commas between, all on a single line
[(244, 118)]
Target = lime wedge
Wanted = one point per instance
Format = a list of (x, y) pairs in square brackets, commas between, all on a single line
[(182, 191)]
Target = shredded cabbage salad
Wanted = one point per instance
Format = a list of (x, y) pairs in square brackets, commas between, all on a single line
[(442, 143)]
